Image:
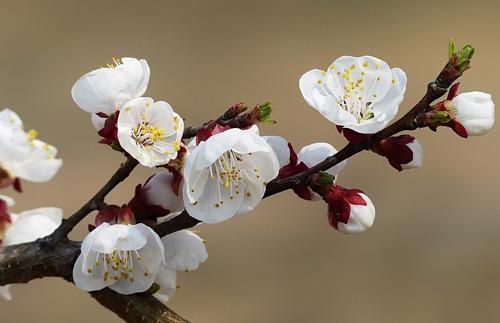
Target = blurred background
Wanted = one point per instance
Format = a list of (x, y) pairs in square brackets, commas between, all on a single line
[(433, 254)]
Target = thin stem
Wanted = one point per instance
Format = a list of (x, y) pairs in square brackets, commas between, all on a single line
[(97, 201)]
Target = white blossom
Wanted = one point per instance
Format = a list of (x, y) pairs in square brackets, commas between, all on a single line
[(150, 131), (22, 155), (126, 258), (474, 110), (227, 174), (108, 88), (358, 93)]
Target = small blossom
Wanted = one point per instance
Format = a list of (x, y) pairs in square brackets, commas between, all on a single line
[(149, 131), (475, 111), (349, 210), (184, 251), (108, 88), (227, 175), (358, 93), (402, 152), (126, 258), (22, 155)]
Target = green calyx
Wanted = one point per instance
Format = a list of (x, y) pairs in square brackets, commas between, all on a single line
[(324, 178), (441, 117)]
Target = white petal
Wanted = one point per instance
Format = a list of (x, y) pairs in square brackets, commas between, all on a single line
[(167, 280), (418, 155), (184, 250), (107, 89), (208, 208), (32, 225), (253, 192), (86, 281), (118, 237), (101, 90), (97, 121), (153, 253), (233, 139), (10, 118), (280, 148)]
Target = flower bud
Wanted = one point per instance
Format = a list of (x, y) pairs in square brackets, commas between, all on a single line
[(402, 152), (475, 111), (349, 210), (162, 190)]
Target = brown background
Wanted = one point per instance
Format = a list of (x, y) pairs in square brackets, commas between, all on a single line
[(434, 252)]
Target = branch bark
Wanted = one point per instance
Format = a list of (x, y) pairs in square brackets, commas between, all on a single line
[(97, 201)]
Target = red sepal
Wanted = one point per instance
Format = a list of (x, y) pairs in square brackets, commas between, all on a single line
[(17, 185), (114, 214), (109, 132), (458, 128), (396, 150), (453, 92), (205, 133)]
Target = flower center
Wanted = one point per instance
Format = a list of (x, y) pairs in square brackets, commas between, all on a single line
[(354, 98), (119, 264), (227, 173), (146, 135)]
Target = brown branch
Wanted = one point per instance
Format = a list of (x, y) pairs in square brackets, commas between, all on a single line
[(137, 307), (97, 201), (410, 121), (231, 115)]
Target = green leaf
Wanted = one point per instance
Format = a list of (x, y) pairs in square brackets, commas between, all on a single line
[(451, 48)]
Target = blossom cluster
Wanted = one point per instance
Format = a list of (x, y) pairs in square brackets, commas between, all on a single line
[(24, 157), (219, 172)]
